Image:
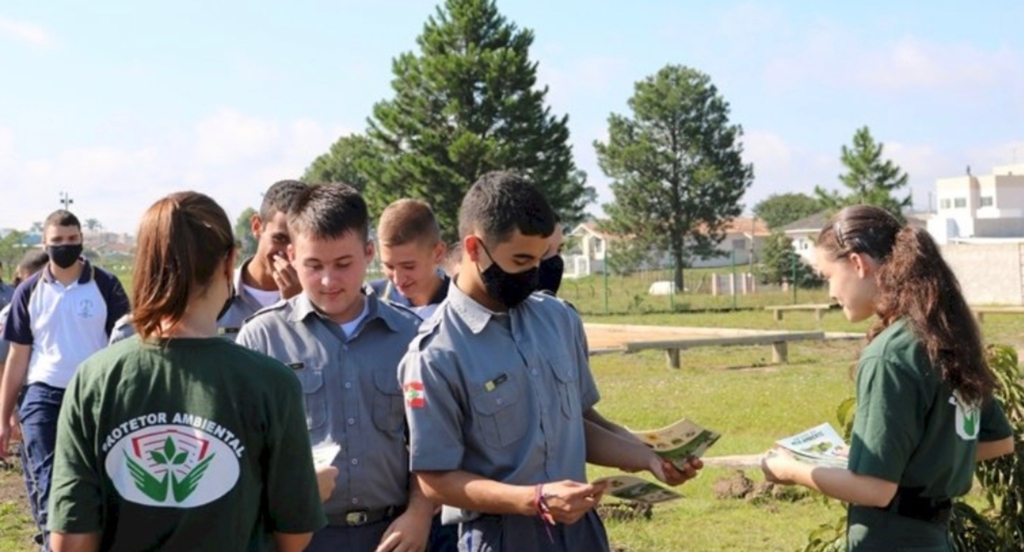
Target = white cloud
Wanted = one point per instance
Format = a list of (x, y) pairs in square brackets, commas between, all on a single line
[(230, 156), (230, 137), (829, 55), (910, 64), (24, 31)]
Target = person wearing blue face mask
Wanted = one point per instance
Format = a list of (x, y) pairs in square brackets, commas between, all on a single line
[(59, 317)]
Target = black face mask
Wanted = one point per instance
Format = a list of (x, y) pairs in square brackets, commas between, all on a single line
[(551, 270), (64, 255), (509, 289)]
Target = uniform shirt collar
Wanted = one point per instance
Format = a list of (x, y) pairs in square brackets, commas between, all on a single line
[(475, 315), (302, 307), (84, 278)]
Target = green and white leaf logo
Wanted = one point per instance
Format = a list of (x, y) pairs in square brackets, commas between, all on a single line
[(968, 418), (174, 466)]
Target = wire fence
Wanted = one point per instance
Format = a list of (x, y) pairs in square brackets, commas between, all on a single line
[(732, 287)]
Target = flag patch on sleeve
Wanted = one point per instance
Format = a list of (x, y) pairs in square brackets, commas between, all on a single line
[(414, 396)]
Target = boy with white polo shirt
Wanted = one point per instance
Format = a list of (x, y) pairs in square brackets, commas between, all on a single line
[(59, 317)]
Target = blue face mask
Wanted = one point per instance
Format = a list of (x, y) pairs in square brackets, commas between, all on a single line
[(509, 288)]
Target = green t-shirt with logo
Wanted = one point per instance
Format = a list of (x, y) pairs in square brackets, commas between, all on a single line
[(910, 428), (196, 444)]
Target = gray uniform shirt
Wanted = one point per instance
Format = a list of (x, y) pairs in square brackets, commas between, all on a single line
[(352, 394), (499, 395)]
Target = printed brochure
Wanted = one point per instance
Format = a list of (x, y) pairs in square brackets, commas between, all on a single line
[(820, 445)]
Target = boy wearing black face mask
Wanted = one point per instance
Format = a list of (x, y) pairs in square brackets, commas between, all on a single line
[(59, 317), (552, 266), (498, 389)]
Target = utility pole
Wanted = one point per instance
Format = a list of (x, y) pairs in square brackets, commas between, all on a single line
[(66, 200)]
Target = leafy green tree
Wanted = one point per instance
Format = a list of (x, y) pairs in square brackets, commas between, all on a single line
[(243, 234), (870, 179), (11, 250), (780, 261), (466, 104), (93, 224), (676, 167), (778, 210), (350, 160)]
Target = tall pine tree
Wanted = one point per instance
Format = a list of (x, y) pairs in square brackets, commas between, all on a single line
[(467, 104), (676, 167), (870, 179)]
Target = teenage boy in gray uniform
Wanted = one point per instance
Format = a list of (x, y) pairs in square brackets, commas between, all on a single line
[(345, 347), (497, 385), (261, 280)]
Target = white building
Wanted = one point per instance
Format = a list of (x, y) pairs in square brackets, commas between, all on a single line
[(744, 237), (989, 206)]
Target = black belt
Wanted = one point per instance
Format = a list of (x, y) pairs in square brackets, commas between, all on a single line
[(909, 503), (358, 518)]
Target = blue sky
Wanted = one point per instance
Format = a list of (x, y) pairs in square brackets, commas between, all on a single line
[(119, 102)]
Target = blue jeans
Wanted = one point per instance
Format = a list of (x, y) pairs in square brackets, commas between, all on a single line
[(38, 408)]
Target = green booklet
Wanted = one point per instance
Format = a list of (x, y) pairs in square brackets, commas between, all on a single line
[(630, 487), (679, 442)]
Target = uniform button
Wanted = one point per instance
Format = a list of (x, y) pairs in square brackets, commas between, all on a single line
[(348, 385), (500, 401), (352, 421), (355, 501), (344, 347), (355, 461), (534, 371)]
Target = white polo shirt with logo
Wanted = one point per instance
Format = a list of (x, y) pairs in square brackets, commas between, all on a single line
[(64, 325)]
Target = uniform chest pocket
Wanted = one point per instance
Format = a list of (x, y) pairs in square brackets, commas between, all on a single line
[(314, 396), (568, 387), (499, 409), (388, 410)]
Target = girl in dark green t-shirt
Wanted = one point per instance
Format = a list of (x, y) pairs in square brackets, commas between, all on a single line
[(178, 439), (925, 411)]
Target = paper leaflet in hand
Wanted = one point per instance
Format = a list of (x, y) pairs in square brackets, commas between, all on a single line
[(679, 442), (324, 454), (820, 445), (629, 487)]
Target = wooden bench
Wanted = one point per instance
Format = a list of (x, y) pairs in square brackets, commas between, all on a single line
[(980, 312), (778, 340), (819, 310)]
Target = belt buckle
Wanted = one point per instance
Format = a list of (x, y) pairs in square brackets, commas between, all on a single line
[(355, 519)]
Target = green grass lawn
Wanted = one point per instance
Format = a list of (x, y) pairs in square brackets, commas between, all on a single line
[(733, 390), (750, 407)]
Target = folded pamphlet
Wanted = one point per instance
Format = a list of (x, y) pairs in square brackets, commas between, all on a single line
[(679, 442), (629, 487), (821, 445), (324, 454)]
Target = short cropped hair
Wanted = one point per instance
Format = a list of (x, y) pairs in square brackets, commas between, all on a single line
[(60, 217), (499, 203), (32, 261), (408, 221), (279, 198), (329, 211), (452, 257)]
